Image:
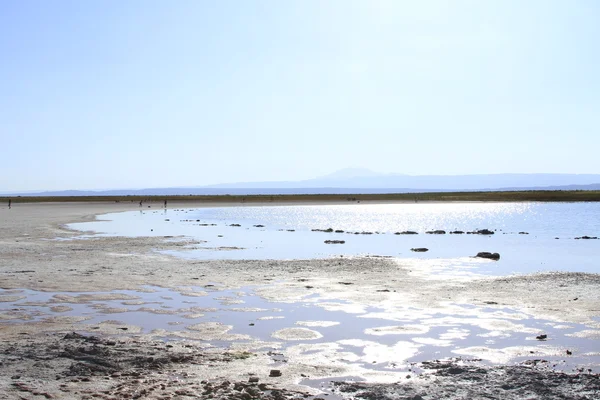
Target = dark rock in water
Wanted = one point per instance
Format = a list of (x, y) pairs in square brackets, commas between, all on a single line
[(253, 379), (523, 233), (335, 241), (258, 226), (483, 232), (542, 337), (586, 237), (328, 230), (419, 249), (407, 233), (339, 231), (436, 232), (491, 256), (275, 373), (235, 225), (457, 232)]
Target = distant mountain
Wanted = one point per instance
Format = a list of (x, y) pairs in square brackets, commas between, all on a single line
[(361, 181), (361, 178), (351, 173)]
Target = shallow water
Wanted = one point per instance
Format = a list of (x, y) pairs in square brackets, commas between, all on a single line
[(549, 244), (368, 337)]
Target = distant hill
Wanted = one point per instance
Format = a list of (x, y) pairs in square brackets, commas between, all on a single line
[(366, 179), (337, 184)]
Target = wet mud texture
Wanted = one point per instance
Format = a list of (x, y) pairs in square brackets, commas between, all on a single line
[(454, 380), (91, 367)]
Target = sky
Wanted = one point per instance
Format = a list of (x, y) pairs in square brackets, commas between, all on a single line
[(145, 93)]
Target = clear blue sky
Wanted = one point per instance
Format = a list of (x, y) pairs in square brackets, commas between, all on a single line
[(115, 94)]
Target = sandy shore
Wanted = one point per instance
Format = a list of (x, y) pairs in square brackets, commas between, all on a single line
[(38, 253)]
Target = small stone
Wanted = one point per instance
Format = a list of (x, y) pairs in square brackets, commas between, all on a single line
[(275, 373), (488, 255)]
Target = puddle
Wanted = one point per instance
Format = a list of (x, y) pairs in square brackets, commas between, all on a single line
[(322, 330)]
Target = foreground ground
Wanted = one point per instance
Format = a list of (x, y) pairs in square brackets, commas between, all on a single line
[(45, 359)]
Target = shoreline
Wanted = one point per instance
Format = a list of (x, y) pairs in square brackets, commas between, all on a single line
[(346, 198), (32, 259)]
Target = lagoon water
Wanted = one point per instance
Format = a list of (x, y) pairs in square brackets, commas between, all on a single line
[(285, 232)]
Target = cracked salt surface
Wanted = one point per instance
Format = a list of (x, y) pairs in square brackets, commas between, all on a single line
[(329, 332)]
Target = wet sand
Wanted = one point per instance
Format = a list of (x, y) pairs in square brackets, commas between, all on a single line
[(41, 359)]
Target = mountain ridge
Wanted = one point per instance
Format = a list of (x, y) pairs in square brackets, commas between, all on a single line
[(361, 180)]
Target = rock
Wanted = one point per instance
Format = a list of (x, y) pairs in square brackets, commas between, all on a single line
[(523, 233), (235, 225), (491, 256), (253, 379), (483, 232), (407, 233), (258, 226), (542, 337), (419, 249), (586, 237), (328, 230), (457, 232), (436, 232), (335, 241), (275, 373), (73, 335), (339, 231)]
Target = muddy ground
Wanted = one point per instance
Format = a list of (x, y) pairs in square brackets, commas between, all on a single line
[(75, 366), (46, 360)]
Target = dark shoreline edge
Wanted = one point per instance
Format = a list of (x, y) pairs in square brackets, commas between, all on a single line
[(492, 196)]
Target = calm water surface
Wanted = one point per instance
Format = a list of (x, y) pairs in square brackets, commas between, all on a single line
[(286, 233)]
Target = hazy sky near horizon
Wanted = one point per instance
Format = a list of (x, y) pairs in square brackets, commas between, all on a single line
[(144, 93)]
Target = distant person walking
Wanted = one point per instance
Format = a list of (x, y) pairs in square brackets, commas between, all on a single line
[(165, 203), (140, 203), (9, 203)]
